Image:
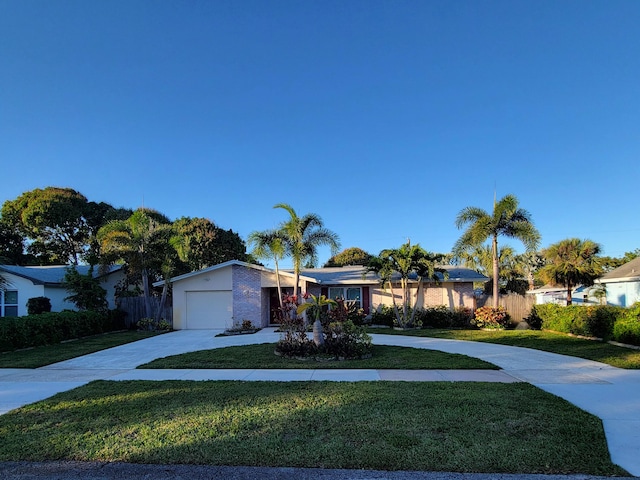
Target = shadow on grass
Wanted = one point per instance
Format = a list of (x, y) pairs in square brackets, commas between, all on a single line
[(366, 425)]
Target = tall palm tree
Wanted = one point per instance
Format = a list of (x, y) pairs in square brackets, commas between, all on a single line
[(507, 219), (302, 236), (141, 242), (269, 245), (572, 262), (480, 258)]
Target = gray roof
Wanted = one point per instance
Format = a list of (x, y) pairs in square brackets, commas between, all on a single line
[(628, 271), (354, 275), (52, 275)]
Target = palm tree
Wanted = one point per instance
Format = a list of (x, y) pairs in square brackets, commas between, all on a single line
[(302, 236), (507, 220), (318, 302), (141, 242), (269, 245), (406, 260), (572, 262)]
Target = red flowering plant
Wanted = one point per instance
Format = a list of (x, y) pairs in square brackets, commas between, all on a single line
[(495, 318)]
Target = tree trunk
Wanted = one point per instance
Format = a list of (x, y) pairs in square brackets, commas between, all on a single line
[(163, 299), (415, 304), (496, 273), (278, 283), (318, 337), (147, 295), (569, 297), (395, 307)]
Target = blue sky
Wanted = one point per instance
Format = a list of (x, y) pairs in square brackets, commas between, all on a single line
[(386, 118)]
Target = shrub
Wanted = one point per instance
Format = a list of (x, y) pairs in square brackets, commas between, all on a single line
[(37, 305), (294, 341), (383, 315), (491, 317), (347, 340), (627, 327), (344, 311), (590, 321), (151, 325), (52, 327), (462, 317)]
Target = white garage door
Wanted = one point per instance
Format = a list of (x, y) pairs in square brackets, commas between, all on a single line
[(209, 309)]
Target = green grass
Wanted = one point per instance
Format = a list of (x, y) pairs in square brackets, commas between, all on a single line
[(540, 340), (48, 354), (262, 356), (479, 427)]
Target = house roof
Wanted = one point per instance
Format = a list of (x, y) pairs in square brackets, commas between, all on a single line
[(223, 265), (348, 275), (359, 275), (628, 272), (53, 274)]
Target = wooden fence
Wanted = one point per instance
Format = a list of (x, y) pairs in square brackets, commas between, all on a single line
[(518, 306), (136, 310)]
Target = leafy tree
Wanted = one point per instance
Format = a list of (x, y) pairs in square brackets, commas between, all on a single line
[(611, 263), (86, 292), (302, 236), (142, 243), (12, 245), (201, 244), (350, 256), (270, 245), (507, 219), (406, 261), (58, 224), (572, 262)]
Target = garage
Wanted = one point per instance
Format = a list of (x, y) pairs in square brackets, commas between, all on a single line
[(209, 309)]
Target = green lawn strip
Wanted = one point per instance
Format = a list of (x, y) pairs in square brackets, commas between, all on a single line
[(48, 354), (540, 340), (435, 426), (262, 356)]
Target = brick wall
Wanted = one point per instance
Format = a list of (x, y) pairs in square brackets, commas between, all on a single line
[(247, 296)]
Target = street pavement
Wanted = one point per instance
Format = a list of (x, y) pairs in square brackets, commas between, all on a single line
[(610, 393)]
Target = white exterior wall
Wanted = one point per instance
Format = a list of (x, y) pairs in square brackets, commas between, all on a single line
[(26, 290), (217, 280), (623, 294)]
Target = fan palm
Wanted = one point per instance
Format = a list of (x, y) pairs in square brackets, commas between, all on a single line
[(507, 219), (572, 262)]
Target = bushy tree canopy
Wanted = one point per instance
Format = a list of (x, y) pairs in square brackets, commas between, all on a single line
[(349, 256)]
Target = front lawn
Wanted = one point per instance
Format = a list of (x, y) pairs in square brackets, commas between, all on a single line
[(458, 427), (46, 355), (539, 340), (262, 356)]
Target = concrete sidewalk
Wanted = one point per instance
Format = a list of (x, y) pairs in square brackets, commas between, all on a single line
[(610, 393)]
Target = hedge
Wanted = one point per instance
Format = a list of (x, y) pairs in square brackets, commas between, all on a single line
[(428, 317), (607, 322), (55, 327)]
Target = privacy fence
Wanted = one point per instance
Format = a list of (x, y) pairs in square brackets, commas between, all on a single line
[(136, 310), (518, 306)]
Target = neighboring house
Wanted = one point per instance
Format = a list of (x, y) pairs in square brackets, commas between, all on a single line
[(622, 284), (228, 293), (29, 282), (580, 295)]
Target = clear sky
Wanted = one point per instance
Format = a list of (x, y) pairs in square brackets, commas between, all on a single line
[(385, 118)]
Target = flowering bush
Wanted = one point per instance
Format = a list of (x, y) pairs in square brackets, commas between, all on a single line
[(491, 317), (151, 325)]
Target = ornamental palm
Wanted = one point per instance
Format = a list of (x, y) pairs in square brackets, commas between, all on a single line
[(318, 302), (269, 245), (572, 262), (141, 242), (406, 260), (302, 236), (507, 220)]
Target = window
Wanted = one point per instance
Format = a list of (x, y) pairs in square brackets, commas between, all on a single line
[(9, 303), (350, 294)]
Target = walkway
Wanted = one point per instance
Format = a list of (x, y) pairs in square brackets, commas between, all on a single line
[(610, 393)]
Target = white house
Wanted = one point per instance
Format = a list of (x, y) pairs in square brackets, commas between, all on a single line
[(580, 295), (228, 293), (29, 282), (623, 284)]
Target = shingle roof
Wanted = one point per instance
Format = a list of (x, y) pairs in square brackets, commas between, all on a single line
[(354, 275), (628, 271), (51, 275)]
